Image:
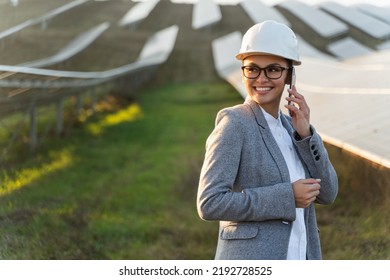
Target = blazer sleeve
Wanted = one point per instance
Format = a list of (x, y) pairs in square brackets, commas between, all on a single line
[(217, 199), (315, 156)]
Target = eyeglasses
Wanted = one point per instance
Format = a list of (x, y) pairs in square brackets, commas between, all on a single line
[(272, 72)]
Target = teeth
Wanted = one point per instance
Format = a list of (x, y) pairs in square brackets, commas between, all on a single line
[(263, 88)]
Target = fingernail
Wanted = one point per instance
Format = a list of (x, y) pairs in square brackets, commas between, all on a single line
[(318, 180)]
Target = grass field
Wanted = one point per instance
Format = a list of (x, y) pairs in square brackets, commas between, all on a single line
[(123, 186)]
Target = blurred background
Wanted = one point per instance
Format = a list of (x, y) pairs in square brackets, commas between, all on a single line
[(105, 107)]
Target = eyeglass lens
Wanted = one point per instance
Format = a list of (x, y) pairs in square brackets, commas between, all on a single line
[(271, 72)]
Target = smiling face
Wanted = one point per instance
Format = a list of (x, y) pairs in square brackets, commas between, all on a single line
[(266, 92)]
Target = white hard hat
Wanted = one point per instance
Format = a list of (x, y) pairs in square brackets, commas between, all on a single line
[(270, 37)]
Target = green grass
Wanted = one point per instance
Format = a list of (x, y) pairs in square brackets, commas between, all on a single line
[(122, 190), (356, 225), (122, 185)]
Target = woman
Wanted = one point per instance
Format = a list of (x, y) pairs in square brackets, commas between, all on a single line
[(263, 170)]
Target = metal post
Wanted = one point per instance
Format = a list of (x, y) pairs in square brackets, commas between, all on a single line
[(59, 109), (79, 104), (93, 99), (33, 128)]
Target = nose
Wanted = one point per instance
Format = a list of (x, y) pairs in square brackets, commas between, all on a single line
[(262, 76)]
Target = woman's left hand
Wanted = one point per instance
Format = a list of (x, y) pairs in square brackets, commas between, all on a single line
[(300, 114)]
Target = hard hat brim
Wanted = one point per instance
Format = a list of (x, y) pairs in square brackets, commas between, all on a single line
[(242, 56)]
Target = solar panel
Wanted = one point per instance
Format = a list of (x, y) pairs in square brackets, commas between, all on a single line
[(205, 13)]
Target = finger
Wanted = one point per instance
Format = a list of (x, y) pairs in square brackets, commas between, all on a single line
[(310, 197), (315, 188), (314, 192), (293, 91), (311, 181), (296, 97), (297, 106), (302, 105), (292, 107)]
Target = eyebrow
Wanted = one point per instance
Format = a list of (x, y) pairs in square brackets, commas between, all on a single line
[(272, 64)]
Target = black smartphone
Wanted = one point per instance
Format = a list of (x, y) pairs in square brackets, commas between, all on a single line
[(291, 85)]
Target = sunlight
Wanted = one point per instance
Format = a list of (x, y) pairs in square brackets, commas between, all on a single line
[(131, 113), (26, 176)]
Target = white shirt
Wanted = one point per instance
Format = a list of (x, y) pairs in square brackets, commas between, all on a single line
[(298, 239)]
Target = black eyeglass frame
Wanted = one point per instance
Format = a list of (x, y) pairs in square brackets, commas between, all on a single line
[(265, 70)]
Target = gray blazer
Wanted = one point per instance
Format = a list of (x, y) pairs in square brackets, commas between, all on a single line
[(245, 184)]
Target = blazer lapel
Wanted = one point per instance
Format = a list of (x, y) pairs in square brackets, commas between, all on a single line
[(269, 139)]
